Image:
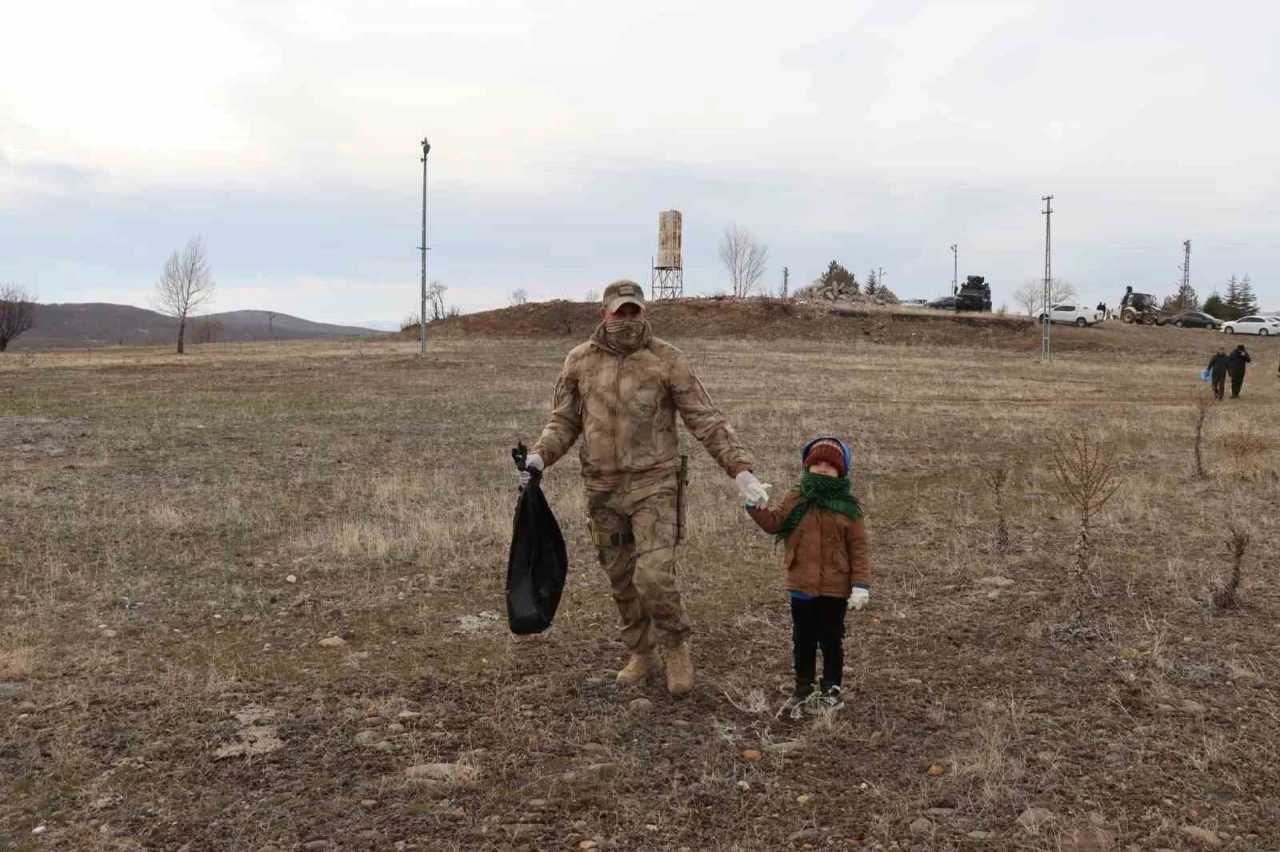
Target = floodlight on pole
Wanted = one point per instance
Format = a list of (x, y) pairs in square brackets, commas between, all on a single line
[(422, 316)]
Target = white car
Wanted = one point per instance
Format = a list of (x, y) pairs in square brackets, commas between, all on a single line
[(1262, 326), (1074, 315)]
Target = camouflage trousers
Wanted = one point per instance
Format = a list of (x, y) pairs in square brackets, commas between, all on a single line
[(635, 531)]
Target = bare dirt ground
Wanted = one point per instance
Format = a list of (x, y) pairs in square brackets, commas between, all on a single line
[(178, 536)]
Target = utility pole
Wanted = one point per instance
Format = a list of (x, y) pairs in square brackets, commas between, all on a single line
[(422, 316), (955, 268), (1186, 273), (880, 280), (1045, 353), (786, 280)]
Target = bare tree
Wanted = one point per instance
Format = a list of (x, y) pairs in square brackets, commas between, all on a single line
[(207, 330), (1029, 296), (1227, 596), (17, 313), (435, 301), (1086, 478), (745, 257), (592, 296), (520, 296), (185, 285)]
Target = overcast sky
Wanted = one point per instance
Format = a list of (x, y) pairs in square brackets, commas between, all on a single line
[(877, 133)]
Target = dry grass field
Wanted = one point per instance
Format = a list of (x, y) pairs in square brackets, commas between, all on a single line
[(178, 536)]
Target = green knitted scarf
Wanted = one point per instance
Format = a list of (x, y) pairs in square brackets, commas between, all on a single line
[(824, 492)]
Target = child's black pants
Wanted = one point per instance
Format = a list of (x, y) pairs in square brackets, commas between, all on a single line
[(818, 622)]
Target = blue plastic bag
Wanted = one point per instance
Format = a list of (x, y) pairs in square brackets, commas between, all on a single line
[(1204, 377)]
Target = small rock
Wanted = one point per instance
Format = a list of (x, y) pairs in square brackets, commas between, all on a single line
[(680, 723), (939, 813), (804, 799), (26, 707), (997, 581), (110, 634), (355, 714), (1203, 836), (588, 844), (317, 844), (605, 770), (921, 828), (368, 803), (442, 772), (752, 756), (593, 748), (1192, 708), (292, 578), (396, 728), (784, 747), (980, 835), (594, 681), (40, 829), (408, 716), (386, 746), (1088, 839), (538, 804), (807, 835), (366, 737), (333, 642), (1032, 818), (640, 707), (936, 770), (744, 786)]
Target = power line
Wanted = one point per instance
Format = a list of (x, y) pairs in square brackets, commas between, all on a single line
[(422, 317), (1186, 267), (1045, 352)]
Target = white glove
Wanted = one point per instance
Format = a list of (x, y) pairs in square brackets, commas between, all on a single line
[(533, 462), (754, 492), (859, 597)]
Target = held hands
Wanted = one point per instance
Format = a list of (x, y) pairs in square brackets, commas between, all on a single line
[(532, 463), (754, 492), (859, 596)]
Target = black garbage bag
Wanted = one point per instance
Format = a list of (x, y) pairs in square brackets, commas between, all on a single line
[(537, 565)]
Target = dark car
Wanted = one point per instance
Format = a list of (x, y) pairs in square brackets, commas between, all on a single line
[(946, 303), (1195, 319)]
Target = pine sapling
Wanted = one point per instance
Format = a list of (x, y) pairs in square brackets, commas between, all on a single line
[(996, 479), (1086, 477), (1228, 596), (1204, 404)]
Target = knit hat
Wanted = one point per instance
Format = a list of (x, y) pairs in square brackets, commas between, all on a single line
[(830, 450)]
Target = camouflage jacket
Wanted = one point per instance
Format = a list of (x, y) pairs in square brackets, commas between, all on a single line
[(624, 407)]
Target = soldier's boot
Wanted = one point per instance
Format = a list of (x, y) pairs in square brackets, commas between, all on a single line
[(639, 667), (679, 669)]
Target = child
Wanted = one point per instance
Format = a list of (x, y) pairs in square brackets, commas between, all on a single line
[(827, 565)]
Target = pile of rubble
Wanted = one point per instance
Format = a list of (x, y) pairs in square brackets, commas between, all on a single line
[(846, 293)]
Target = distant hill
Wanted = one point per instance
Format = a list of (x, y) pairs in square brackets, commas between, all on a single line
[(100, 324)]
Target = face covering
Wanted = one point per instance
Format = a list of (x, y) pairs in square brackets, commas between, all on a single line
[(626, 335)]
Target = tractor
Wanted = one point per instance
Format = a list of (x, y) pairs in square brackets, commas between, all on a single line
[(1140, 308)]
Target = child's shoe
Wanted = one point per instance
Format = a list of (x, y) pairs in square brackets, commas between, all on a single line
[(831, 698), (802, 698)]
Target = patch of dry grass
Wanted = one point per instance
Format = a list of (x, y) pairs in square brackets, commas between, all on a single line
[(158, 507)]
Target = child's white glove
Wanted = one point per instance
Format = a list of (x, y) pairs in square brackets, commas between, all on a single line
[(859, 597), (754, 492)]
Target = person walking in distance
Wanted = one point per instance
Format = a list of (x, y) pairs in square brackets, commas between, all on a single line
[(1218, 372), (826, 567), (1236, 366), (620, 392)]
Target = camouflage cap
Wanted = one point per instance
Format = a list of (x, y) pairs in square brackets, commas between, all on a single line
[(623, 292)]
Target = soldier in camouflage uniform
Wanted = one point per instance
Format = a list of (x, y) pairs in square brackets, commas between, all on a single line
[(620, 392)]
